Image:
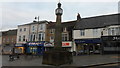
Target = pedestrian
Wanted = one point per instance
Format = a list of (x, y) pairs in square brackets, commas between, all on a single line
[(11, 57)]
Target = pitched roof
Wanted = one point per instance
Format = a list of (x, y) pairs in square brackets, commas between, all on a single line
[(51, 25), (9, 32), (35, 22), (97, 22)]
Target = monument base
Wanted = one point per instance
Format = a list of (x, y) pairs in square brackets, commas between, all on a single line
[(57, 58)]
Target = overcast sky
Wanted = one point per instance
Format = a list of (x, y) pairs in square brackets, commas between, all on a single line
[(17, 13)]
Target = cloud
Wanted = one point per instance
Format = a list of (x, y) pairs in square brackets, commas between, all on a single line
[(13, 16), (14, 13)]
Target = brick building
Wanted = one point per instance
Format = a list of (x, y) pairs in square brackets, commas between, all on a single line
[(9, 37)]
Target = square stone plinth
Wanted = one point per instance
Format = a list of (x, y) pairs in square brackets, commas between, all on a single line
[(57, 58)]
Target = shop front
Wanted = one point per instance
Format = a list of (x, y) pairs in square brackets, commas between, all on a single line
[(65, 45), (19, 49), (35, 48), (111, 44), (88, 46)]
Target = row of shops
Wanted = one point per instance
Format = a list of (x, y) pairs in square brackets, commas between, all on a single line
[(38, 48), (88, 46), (101, 45)]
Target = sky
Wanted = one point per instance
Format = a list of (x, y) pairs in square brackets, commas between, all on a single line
[(14, 13)]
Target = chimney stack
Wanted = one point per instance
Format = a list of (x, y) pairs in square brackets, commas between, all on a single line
[(78, 17)]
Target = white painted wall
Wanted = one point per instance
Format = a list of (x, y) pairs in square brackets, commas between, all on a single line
[(105, 31), (26, 33), (89, 32)]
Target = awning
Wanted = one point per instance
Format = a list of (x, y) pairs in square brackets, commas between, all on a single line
[(95, 40)]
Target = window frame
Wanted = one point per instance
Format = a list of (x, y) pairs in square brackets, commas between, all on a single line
[(82, 32), (19, 38)]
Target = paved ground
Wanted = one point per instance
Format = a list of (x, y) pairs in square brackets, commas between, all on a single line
[(85, 60)]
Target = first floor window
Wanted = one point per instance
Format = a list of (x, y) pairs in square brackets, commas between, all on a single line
[(23, 37), (82, 32), (41, 37), (51, 38), (95, 32), (20, 29), (33, 37), (24, 29), (19, 38), (65, 37), (52, 31), (114, 31)]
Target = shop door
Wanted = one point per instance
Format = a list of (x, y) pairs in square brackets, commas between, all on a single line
[(33, 50)]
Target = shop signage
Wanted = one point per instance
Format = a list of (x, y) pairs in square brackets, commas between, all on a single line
[(111, 38), (35, 43), (64, 44), (95, 40), (49, 45), (18, 45)]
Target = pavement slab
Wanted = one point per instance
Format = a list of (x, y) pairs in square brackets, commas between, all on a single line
[(83, 60)]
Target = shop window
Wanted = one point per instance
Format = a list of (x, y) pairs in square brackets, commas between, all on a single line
[(12, 39)]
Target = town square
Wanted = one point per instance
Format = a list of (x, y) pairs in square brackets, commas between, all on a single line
[(60, 34)]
